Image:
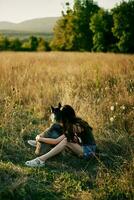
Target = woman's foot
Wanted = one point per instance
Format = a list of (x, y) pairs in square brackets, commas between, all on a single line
[(35, 163), (32, 143)]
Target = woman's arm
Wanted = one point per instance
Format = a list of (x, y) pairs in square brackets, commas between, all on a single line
[(50, 140)]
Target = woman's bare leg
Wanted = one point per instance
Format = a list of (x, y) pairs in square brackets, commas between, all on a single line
[(76, 148), (57, 149)]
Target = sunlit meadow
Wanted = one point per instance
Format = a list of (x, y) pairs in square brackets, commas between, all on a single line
[(100, 87)]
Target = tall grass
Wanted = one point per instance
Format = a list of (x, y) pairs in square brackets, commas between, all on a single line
[(100, 87)]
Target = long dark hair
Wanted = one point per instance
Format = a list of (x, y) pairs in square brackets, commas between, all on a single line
[(68, 118)]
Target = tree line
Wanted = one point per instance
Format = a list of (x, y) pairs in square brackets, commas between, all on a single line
[(86, 27), (31, 44)]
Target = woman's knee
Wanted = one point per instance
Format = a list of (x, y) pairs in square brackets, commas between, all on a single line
[(64, 141)]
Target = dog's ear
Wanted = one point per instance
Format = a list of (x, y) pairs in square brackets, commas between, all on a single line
[(59, 105), (52, 109)]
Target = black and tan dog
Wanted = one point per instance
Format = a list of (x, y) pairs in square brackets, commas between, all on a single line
[(54, 131)]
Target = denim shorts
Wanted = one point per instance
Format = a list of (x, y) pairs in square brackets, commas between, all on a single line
[(89, 150)]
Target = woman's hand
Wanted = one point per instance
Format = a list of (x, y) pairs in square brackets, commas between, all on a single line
[(38, 138)]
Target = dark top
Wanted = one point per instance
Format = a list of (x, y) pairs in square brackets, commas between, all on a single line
[(80, 132)]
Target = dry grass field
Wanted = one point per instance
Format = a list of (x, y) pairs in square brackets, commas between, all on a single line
[(100, 87)]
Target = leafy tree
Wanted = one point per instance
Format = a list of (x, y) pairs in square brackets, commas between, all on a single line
[(59, 41), (43, 45), (101, 25), (72, 30), (66, 35), (26, 45), (1, 42), (4, 43), (123, 29), (84, 9), (33, 43), (63, 32), (15, 44)]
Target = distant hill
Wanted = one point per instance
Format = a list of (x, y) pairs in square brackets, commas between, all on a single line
[(40, 25)]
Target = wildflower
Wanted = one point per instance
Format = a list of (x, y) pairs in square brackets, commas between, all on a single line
[(106, 88), (14, 113), (123, 107), (111, 119), (98, 100), (116, 103), (112, 108)]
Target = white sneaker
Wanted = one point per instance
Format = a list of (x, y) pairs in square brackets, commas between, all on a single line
[(35, 163), (32, 142)]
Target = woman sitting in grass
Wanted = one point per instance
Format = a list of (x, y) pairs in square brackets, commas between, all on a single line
[(77, 136)]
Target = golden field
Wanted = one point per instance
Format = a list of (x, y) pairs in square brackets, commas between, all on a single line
[(100, 87)]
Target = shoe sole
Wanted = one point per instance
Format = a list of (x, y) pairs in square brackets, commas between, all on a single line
[(31, 144), (34, 165)]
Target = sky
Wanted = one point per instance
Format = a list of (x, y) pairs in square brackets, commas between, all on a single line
[(20, 10)]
